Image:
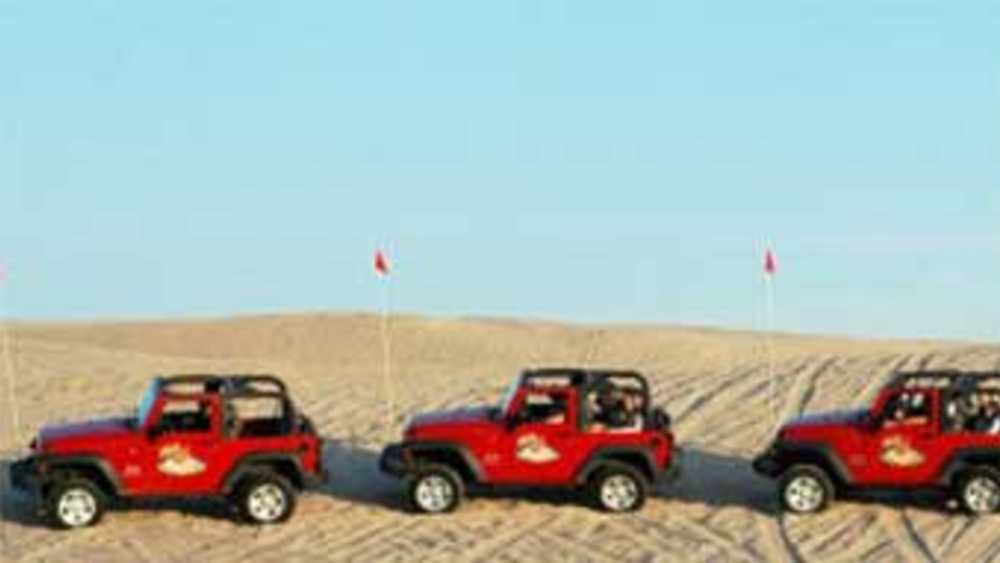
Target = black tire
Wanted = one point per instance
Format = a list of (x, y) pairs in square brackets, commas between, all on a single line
[(805, 489), (978, 491), (617, 487), (265, 497), (434, 489), (75, 502)]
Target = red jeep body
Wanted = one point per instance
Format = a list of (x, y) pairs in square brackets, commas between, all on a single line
[(187, 440), (913, 437), (561, 446)]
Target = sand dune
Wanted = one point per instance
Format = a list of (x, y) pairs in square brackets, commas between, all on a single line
[(713, 382)]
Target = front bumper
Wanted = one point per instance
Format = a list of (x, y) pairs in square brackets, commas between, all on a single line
[(769, 463), (394, 460), (25, 477)]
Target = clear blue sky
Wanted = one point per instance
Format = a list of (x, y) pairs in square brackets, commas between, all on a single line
[(583, 161)]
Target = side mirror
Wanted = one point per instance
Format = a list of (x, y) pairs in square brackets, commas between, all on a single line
[(513, 421), (874, 420)]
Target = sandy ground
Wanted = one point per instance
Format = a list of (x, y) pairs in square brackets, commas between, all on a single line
[(713, 382)]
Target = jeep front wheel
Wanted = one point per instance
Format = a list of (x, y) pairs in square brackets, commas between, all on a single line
[(979, 491), (265, 498), (805, 489), (75, 503), (435, 489), (618, 488)]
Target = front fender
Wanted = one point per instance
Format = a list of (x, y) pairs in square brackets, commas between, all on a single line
[(45, 466), (782, 455)]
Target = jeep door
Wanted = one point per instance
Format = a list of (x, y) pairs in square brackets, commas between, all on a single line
[(902, 446), (537, 446), (182, 447)]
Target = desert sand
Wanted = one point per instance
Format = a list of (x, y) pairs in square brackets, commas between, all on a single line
[(713, 382)]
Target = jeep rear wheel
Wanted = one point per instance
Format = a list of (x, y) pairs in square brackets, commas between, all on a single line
[(617, 487), (805, 489), (435, 489), (979, 491), (265, 498), (75, 503)]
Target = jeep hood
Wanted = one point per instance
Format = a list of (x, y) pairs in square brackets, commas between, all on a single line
[(833, 418), (94, 430), (452, 417)]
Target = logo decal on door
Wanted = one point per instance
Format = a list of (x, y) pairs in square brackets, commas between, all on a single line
[(175, 459), (899, 452), (532, 448)]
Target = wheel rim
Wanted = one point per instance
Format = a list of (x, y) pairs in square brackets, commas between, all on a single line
[(619, 492), (982, 495), (805, 493), (77, 507), (434, 493), (267, 503)]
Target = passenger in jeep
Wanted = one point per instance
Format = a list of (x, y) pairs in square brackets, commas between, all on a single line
[(988, 420), (618, 410)]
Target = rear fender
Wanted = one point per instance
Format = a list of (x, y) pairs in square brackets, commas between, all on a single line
[(285, 463), (965, 459), (639, 458)]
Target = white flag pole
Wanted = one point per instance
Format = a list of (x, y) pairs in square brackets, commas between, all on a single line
[(769, 291), (387, 353), (383, 270)]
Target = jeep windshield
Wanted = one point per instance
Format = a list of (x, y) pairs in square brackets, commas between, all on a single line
[(146, 404)]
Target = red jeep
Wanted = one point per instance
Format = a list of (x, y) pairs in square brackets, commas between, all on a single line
[(583, 429), (927, 430), (236, 437)]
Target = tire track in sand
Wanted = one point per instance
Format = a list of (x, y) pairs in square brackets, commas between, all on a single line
[(905, 536)]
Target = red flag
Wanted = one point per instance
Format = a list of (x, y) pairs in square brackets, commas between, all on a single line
[(770, 263), (382, 265)]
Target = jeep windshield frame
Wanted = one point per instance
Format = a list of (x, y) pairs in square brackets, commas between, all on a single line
[(146, 403), (508, 398)]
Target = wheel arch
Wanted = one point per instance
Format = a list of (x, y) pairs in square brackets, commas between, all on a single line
[(819, 455), (455, 456), (634, 457), (92, 467), (965, 460), (286, 464)]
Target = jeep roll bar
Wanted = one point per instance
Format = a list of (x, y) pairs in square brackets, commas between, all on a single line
[(945, 379), (227, 384), (586, 381)]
